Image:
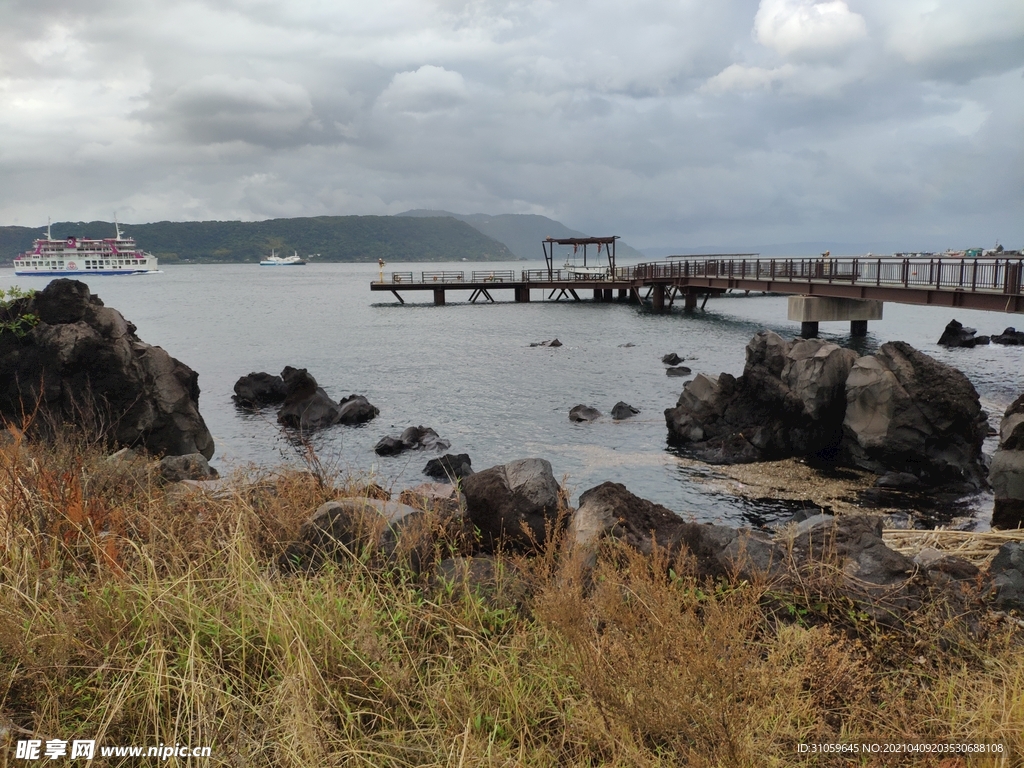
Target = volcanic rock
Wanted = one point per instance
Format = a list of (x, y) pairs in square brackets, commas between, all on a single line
[(958, 335), (623, 410), (514, 505), (82, 364), (583, 413), (258, 389), (449, 467)]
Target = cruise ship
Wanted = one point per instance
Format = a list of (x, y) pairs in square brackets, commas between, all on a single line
[(74, 256)]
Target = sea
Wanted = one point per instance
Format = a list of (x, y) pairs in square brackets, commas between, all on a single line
[(472, 373)]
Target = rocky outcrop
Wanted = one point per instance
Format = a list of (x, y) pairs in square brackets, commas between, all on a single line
[(898, 410), (672, 359), (515, 505), (1006, 473), (679, 370), (83, 364), (958, 335), (910, 413), (622, 410), (583, 413), (449, 467), (258, 389), (412, 438), (307, 406), (549, 343)]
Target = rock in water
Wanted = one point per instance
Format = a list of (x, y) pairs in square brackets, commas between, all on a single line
[(623, 410), (83, 364), (958, 335), (356, 409), (412, 438), (449, 467), (672, 359), (258, 389), (307, 406), (583, 413), (514, 505), (1010, 336), (679, 370)]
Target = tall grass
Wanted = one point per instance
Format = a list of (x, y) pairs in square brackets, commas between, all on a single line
[(137, 615)]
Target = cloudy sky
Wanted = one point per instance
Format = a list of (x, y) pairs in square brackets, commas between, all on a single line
[(675, 123)]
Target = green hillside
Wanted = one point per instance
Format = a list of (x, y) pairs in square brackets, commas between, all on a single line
[(334, 238), (522, 233)]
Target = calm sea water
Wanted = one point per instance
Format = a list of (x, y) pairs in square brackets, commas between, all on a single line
[(468, 370)]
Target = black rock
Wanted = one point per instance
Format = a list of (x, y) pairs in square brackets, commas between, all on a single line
[(672, 359), (1010, 337), (413, 438), (259, 389), (958, 335), (83, 365), (679, 370), (389, 446), (449, 467), (623, 410), (356, 409), (583, 413)]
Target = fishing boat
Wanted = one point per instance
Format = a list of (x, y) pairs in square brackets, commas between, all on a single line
[(273, 260), (75, 256)]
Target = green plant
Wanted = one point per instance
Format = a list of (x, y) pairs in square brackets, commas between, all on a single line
[(10, 318)]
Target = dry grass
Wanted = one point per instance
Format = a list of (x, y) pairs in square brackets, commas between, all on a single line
[(135, 615)]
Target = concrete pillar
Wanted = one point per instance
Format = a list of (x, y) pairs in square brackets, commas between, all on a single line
[(658, 298), (607, 294), (598, 294), (691, 299), (811, 310), (439, 297), (623, 293)]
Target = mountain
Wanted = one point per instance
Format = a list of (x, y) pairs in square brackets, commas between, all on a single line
[(521, 232), (333, 238)]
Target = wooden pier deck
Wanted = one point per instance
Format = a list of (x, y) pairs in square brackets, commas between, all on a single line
[(993, 284)]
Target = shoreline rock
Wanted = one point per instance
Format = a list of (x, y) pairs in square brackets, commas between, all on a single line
[(896, 411), (83, 364)]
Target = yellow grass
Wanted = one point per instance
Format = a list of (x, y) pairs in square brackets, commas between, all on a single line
[(135, 615)]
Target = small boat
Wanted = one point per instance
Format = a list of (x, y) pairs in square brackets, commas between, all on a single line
[(273, 260), (75, 256)]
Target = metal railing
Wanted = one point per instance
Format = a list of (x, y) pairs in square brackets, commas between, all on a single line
[(987, 275), (494, 276)]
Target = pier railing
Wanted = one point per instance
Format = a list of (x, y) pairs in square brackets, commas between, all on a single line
[(979, 275)]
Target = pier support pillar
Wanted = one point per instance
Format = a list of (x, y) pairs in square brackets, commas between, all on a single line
[(809, 329), (658, 298), (439, 297), (607, 294), (598, 294), (691, 300), (522, 295), (623, 293), (811, 310)]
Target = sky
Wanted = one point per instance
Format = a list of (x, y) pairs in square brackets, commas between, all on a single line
[(675, 123)]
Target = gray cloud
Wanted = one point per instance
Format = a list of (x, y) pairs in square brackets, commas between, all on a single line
[(673, 124)]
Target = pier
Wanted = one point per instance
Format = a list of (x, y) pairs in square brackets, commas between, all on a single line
[(821, 289)]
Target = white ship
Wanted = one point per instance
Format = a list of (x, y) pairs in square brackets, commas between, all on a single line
[(273, 260), (74, 256)]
